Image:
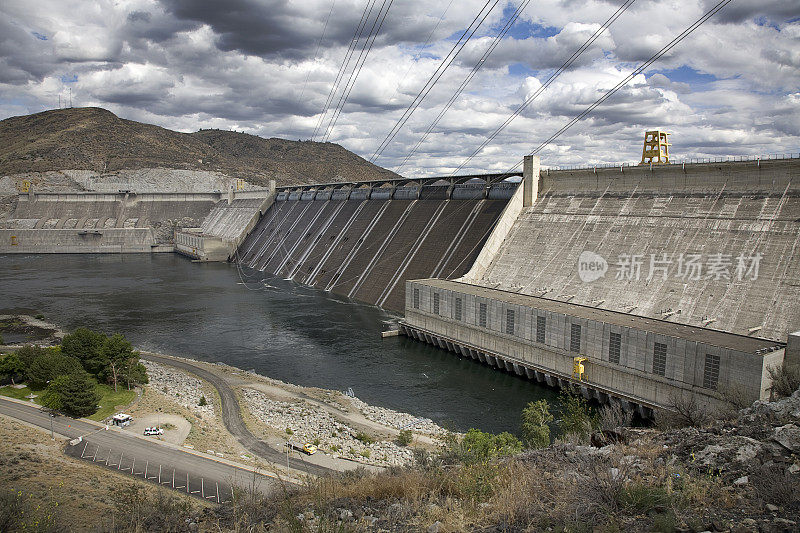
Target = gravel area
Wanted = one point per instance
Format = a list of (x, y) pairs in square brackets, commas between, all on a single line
[(308, 423), (181, 387), (398, 420)]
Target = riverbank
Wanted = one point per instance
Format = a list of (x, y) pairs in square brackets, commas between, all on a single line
[(340, 426)]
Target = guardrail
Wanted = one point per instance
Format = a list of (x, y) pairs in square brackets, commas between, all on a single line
[(694, 160)]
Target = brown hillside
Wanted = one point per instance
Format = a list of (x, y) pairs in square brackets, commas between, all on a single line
[(96, 139)]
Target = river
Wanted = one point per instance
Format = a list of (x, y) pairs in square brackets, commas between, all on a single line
[(168, 304)]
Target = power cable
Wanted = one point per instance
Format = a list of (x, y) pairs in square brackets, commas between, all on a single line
[(496, 41), (345, 62), (640, 69), (362, 58), (575, 55), (316, 52), (438, 73)]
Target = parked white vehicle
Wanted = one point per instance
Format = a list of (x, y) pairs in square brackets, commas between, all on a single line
[(153, 431), (121, 419)]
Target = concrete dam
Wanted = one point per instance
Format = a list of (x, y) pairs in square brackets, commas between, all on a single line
[(365, 241), (646, 284)]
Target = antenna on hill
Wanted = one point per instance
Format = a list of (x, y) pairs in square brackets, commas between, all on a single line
[(59, 100), (70, 97)]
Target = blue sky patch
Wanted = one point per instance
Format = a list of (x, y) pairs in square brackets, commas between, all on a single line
[(686, 74), (521, 70), (66, 78), (39, 36)]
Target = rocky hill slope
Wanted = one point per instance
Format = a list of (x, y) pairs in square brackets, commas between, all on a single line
[(95, 139)]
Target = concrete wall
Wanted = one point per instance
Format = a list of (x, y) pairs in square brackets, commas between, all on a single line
[(226, 226), (71, 241), (731, 210), (365, 248), (793, 351), (157, 213), (630, 378)]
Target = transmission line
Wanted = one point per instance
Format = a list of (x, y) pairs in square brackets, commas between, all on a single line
[(438, 73), (496, 41), (362, 58), (577, 53), (316, 52), (641, 68), (345, 62)]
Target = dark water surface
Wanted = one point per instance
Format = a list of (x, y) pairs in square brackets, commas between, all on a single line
[(165, 303)]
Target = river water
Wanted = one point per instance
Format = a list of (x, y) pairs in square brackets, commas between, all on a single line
[(165, 303)]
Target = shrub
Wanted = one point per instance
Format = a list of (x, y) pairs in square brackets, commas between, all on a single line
[(202, 401), (39, 316), (534, 427), (785, 381), (637, 498), (405, 437), (477, 446), (363, 437), (613, 417), (477, 482), (576, 421), (683, 411), (365, 453), (289, 431)]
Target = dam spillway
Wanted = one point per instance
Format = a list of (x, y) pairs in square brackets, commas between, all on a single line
[(364, 243)]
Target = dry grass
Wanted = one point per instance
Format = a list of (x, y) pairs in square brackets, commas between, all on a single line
[(207, 433), (78, 496)]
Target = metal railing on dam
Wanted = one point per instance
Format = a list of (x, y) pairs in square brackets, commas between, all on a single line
[(365, 243)]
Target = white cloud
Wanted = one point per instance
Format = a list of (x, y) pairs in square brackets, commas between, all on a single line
[(730, 88)]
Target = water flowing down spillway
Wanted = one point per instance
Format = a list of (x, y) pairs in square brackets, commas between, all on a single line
[(165, 303), (367, 248)]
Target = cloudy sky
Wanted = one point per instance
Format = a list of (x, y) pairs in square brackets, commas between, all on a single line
[(263, 66)]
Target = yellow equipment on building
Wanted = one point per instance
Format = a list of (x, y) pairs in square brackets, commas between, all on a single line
[(578, 369), (25, 187), (656, 148)]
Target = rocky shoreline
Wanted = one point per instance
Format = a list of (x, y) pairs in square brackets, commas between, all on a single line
[(300, 419)]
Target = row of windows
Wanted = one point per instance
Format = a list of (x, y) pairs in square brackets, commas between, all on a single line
[(710, 370)]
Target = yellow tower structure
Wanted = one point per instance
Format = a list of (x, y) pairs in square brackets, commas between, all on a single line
[(656, 148)]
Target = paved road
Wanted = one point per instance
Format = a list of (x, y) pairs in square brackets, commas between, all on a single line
[(232, 416), (172, 467)]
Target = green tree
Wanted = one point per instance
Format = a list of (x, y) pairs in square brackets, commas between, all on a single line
[(122, 362), (51, 397), (29, 352), (477, 446), (86, 346), (577, 422), (73, 394), (10, 365), (49, 365), (534, 427)]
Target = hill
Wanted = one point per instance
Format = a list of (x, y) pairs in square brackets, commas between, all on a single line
[(95, 139)]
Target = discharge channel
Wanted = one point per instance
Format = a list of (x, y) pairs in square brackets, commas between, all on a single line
[(165, 303)]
